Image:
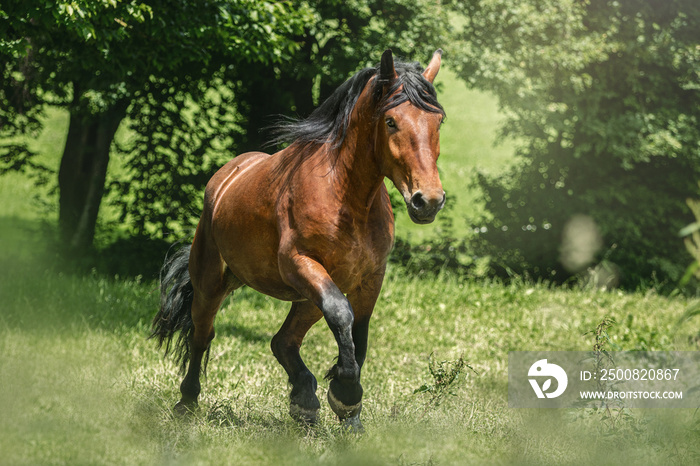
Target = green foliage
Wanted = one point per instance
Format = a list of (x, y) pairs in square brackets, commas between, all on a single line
[(602, 336), (199, 81), (90, 55), (603, 97), (137, 59), (638, 214), (340, 38), (444, 252), (691, 238), (691, 234), (174, 146)]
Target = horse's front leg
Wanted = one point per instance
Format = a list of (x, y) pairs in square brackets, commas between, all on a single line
[(345, 390), (362, 301), (312, 280)]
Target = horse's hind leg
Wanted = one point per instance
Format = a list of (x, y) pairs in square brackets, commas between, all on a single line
[(303, 403), (203, 313), (211, 283)]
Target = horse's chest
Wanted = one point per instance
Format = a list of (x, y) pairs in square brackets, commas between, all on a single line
[(356, 250), (348, 243)]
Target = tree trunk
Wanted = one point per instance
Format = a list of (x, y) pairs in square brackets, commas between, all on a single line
[(81, 178)]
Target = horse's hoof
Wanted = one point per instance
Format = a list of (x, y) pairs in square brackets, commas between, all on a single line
[(342, 410), (184, 409), (304, 416), (353, 425)]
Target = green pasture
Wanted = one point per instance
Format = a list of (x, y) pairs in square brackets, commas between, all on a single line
[(81, 384)]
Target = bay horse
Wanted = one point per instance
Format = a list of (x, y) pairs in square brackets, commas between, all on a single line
[(311, 224)]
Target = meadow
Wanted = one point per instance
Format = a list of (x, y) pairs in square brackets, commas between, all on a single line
[(80, 382)]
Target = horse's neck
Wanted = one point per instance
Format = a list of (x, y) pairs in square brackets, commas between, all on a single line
[(357, 168)]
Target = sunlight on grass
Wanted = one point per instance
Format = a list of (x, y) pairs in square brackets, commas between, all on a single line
[(82, 384)]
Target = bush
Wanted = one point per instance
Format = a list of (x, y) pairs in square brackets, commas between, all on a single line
[(635, 214), (602, 97)]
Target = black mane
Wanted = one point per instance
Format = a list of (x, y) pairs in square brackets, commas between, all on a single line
[(328, 123)]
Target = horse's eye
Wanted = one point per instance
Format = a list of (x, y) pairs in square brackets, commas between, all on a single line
[(391, 123)]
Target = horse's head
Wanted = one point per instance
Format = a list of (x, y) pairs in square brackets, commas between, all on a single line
[(409, 135)]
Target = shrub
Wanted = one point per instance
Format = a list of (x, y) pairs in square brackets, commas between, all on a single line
[(602, 97)]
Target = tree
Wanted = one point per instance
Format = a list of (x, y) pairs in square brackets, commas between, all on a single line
[(194, 82), (603, 98), (104, 60), (342, 37), (162, 193)]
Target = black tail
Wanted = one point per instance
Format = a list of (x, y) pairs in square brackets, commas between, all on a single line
[(175, 314)]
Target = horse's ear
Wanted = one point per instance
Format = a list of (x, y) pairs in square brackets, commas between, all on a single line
[(387, 73), (434, 66)]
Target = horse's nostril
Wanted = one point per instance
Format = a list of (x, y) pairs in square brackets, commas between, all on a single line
[(418, 201)]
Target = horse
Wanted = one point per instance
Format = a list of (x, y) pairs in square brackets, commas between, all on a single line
[(311, 224)]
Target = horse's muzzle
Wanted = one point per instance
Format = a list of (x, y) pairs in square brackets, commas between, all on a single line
[(422, 209)]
